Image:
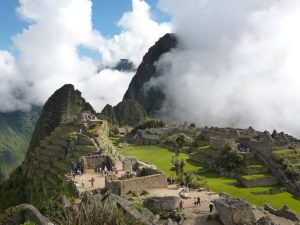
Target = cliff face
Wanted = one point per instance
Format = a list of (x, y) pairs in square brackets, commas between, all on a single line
[(52, 149), (152, 99)]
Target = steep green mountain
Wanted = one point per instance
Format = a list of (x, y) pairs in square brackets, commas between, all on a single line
[(153, 98), (15, 132), (53, 146), (127, 112)]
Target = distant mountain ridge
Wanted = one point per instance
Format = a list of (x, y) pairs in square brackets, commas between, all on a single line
[(16, 129)]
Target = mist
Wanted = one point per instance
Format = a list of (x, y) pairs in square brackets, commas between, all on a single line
[(237, 64), (54, 49)]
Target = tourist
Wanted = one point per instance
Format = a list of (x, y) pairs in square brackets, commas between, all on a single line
[(181, 205), (92, 181), (100, 170), (195, 201), (82, 183), (198, 201), (105, 170), (211, 206)]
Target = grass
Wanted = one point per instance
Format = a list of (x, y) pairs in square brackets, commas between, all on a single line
[(224, 184), (161, 157), (257, 176)]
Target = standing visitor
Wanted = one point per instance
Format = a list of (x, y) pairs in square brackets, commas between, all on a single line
[(181, 205), (92, 181), (211, 206), (198, 201)]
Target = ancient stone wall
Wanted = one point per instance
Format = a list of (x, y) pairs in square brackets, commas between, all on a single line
[(220, 143), (97, 161), (122, 187), (260, 182)]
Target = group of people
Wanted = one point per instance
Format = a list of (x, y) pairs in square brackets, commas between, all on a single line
[(76, 169), (92, 181), (197, 202), (103, 171)]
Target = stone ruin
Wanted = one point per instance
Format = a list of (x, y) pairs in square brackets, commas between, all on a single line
[(136, 182)]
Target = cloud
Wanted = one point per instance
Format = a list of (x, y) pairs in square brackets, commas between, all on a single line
[(236, 65), (49, 53)]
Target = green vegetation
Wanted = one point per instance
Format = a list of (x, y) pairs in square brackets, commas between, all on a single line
[(15, 129), (178, 141), (161, 158), (228, 185), (95, 214)]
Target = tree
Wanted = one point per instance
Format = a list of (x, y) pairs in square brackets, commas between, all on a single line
[(178, 166), (178, 141), (230, 159)]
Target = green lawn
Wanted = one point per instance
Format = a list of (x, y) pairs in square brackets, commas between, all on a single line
[(161, 157), (224, 184)]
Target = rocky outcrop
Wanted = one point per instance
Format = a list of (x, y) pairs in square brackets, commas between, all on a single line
[(127, 112), (167, 203), (153, 98), (22, 213), (234, 212)]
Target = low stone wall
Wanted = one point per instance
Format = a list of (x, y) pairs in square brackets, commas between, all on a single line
[(123, 187), (249, 171), (284, 212), (265, 181)]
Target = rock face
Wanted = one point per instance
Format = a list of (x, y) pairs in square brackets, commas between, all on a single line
[(168, 203), (152, 99), (22, 213), (127, 112), (234, 212)]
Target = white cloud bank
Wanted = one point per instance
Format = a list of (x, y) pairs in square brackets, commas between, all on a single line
[(237, 64), (49, 53)]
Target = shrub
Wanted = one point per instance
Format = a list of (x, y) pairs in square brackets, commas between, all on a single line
[(178, 141), (95, 214), (195, 181), (51, 209), (293, 172)]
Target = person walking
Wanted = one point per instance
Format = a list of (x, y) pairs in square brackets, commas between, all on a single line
[(181, 205), (198, 201), (92, 181), (195, 201), (211, 206)]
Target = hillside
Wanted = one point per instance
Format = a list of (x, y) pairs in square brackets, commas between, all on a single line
[(152, 99), (16, 129), (48, 157)]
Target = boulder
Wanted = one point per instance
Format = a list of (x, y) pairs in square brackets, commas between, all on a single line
[(224, 195), (148, 217), (234, 211), (167, 203), (170, 222), (23, 213)]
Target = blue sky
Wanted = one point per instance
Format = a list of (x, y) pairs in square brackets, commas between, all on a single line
[(106, 14)]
